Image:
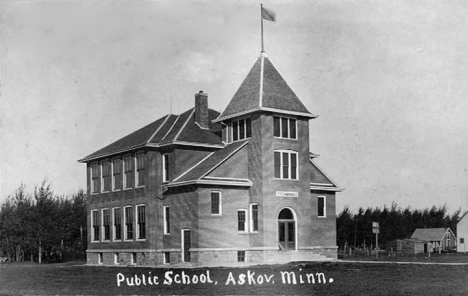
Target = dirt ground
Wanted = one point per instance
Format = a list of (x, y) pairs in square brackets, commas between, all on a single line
[(337, 278)]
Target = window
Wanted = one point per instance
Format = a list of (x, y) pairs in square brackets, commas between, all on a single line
[(240, 256), (116, 258), (117, 224), (216, 203), (95, 222), (285, 165), (134, 258), (253, 217), (117, 174), (241, 220), (94, 178), (166, 217), (128, 168), (165, 167), (106, 181), (462, 240), (100, 258), (321, 209), (167, 257), (128, 223), (141, 222), (241, 129), (106, 224), (284, 127), (140, 171)]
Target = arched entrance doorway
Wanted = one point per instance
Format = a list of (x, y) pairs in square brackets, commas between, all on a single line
[(286, 230)]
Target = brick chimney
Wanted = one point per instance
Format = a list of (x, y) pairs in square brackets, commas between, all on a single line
[(201, 109)]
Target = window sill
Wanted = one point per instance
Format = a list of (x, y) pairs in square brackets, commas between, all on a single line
[(167, 234), (321, 217), (128, 241), (140, 240), (216, 215), (140, 186), (280, 179), (128, 189), (295, 139)]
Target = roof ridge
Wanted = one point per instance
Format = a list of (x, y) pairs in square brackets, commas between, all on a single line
[(169, 130), (158, 129), (194, 166), (183, 126), (224, 159)]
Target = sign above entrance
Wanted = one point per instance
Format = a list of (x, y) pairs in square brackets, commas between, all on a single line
[(287, 194)]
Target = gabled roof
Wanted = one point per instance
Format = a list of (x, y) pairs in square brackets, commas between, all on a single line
[(198, 173), (170, 129), (430, 234), (319, 180), (264, 89)]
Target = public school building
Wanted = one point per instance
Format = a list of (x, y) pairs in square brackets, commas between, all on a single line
[(206, 188)]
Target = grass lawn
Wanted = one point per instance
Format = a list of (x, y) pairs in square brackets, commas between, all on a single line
[(341, 278)]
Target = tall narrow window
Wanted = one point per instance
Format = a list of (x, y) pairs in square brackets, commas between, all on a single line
[(94, 178), (117, 224), (248, 127), (253, 217), (235, 130), (106, 178), (241, 220), (117, 174), (96, 225), (128, 223), (284, 127), (165, 159), (216, 203), (167, 221), (285, 165), (141, 164), (321, 206), (128, 168), (106, 224), (141, 220)]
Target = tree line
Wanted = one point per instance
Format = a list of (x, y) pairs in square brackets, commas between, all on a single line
[(355, 229), (43, 227)]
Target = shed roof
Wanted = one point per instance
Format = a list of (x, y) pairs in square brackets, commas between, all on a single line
[(429, 234)]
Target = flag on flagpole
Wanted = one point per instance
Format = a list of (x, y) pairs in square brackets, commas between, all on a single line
[(268, 15)]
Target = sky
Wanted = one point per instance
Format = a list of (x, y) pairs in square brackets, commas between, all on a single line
[(388, 80)]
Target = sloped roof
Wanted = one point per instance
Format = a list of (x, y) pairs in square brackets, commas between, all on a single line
[(319, 180), (210, 163), (429, 234), (170, 129), (264, 89)]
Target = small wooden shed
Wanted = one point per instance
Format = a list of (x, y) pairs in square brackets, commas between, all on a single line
[(410, 246), (440, 238)]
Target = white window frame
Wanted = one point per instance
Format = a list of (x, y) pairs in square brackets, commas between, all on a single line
[(165, 165), (126, 239), (167, 228), (137, 174), (324, 206), (93, 238), (137, 230), (165, 260), (100, 258), (251, 221), (231, 129), (121, 174), (281, 127), (102, 175), (102, 225), (114, 231), (246, 221), (220, 206), (134, 258), (116, 258), (124, 175), (289, 152), (92, 187)]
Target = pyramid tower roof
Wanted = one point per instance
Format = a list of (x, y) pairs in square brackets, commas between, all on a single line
[(264, 89)]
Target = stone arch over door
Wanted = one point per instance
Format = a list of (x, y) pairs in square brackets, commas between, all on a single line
[(287, 230)]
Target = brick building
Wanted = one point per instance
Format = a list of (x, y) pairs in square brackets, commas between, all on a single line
[(209, 188)]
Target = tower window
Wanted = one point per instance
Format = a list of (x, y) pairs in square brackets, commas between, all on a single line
[(241, 129), (285, 163), (284, 127)]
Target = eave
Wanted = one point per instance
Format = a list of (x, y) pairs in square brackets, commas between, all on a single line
[(265, 109), (237, 183)]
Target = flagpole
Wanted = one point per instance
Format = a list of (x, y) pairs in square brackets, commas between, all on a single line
[(261, 18)]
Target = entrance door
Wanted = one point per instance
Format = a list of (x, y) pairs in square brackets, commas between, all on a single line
[(186, 245), (286, 230)]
